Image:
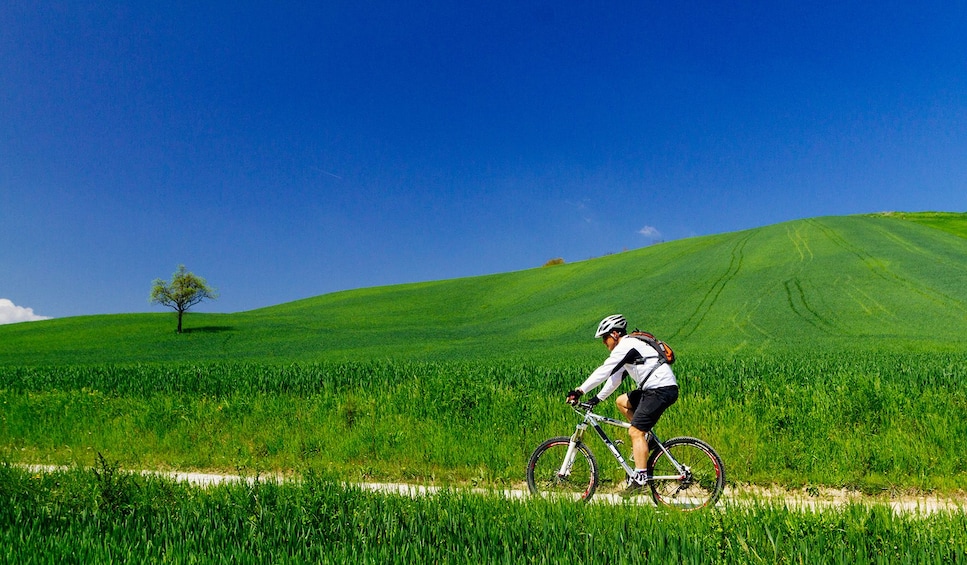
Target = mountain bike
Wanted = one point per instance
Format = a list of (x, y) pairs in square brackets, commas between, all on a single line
[(684, 472)]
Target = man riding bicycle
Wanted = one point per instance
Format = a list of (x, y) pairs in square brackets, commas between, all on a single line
[(656, 389)]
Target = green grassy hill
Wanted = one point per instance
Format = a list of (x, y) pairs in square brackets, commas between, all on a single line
[(873, 281)]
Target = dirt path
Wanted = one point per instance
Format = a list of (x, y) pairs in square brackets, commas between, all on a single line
[(827, 498), (802, 500)]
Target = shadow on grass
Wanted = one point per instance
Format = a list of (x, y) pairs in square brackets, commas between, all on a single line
[(208, 329)]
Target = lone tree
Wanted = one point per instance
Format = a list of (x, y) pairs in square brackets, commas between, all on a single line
[(184, 291)]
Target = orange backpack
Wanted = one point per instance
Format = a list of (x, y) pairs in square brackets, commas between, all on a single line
[(665, 353)]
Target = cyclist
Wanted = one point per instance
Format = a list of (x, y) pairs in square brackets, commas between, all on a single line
[(656, 389)]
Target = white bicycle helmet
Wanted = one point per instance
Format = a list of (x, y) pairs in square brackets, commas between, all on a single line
[(610, 324)]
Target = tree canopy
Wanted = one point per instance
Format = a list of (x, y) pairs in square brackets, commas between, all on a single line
[(184, 291)]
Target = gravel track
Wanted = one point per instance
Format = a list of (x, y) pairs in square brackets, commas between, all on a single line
[(813, 500)]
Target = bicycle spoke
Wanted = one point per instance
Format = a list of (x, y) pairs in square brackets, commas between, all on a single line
[(544, 471), (703, 479)]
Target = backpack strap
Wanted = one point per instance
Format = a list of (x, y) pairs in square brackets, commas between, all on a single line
[(652, 371)]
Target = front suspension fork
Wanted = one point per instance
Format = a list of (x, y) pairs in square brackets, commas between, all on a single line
[(572, 450)]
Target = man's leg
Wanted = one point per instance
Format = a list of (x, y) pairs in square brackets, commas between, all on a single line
[(625, 407), (639, 440), (648, 410), (639, 447)]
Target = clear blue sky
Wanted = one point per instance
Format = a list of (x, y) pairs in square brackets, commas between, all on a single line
[(284, 151)]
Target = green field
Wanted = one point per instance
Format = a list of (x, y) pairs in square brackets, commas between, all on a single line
[(826, 352), (859, 282), (108, 516)]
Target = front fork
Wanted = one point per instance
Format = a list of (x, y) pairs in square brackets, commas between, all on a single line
[(572, 448)]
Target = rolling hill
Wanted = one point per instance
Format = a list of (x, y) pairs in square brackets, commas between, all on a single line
[(870, 281)]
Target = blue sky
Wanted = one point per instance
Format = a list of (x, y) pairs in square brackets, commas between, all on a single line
[(287, 150)]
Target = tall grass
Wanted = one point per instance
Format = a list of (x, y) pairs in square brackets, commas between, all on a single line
[(110, 516), (877, 423)]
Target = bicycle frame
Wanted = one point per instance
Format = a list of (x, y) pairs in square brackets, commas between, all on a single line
[(595, 421)]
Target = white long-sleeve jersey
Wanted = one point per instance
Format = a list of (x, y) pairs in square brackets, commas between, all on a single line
[(633, 357)]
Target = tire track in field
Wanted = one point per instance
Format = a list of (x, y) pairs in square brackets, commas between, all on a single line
[(796, 297), (694, 321), (744, 319), (795, 289), (872, 264), (795, 293), (914, 249), (879, 269), (793, 286), (867, 301), (800, 243)]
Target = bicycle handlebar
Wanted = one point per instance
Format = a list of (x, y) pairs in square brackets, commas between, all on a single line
[(583, 409), (583, 406)]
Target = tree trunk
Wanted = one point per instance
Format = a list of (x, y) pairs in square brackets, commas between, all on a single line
[(180, 313)]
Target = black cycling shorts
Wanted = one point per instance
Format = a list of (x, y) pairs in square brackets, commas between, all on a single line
[(649, 404)]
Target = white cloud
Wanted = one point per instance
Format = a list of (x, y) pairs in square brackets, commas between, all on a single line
[(10, 313), (649, 231)]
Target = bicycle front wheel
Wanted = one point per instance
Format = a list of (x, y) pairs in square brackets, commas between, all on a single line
[(696, 482), (548, 474)]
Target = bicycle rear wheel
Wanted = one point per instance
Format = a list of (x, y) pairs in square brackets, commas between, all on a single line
[(544, 475), (703, 480)]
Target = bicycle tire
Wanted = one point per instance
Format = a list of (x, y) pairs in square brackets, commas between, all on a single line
[(543, 471), (701, 488)]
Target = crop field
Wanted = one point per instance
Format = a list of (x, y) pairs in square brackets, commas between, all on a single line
[(879, 423), (859, 283), (821, 353), (106, 515)]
